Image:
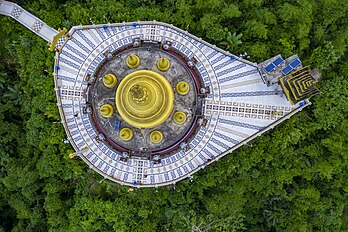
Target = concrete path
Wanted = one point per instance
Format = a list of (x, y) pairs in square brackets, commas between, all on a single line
[(28, 20)]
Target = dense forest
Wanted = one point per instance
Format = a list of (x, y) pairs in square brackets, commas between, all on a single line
[(293, 178)]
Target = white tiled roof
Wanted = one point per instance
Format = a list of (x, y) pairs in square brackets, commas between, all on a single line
[(239, 107)]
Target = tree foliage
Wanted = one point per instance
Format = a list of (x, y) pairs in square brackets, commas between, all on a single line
[(293, 178)]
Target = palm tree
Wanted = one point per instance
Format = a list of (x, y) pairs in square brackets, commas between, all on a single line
[(66, 24), (232, 40)]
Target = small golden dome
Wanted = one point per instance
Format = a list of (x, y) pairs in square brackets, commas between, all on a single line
[(182, 88), (133, 61), (163, 64), (106, 110), (156, 136), (109, 80), (126, 134), (179, 117)]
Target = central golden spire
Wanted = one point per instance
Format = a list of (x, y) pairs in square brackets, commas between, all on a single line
[(144, 99), (139, 93)]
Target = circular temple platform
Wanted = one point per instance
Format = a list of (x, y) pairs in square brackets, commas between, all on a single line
[(147, 104), (154, 108)]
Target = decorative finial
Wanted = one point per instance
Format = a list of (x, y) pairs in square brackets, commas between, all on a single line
[(179, 117), (156, 136), (133, 61), (182, 88), (106, 110), (109, 80), (126, 134), (163, 64)]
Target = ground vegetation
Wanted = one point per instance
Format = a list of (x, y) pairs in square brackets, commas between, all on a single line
[(293, 178)]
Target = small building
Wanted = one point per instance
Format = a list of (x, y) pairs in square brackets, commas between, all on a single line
[(297, 82)]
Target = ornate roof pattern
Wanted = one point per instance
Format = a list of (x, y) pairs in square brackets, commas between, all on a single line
[(239, 107)]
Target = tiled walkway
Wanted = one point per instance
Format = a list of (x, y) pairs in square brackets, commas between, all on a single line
[(28, 20)]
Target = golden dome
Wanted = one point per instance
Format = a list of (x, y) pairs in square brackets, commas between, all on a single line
[(106, 110), (163, 64), (133, 61), (126, 134), (109, 80), (179, 117), (156, 136), (182, 88), (144, 99)]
